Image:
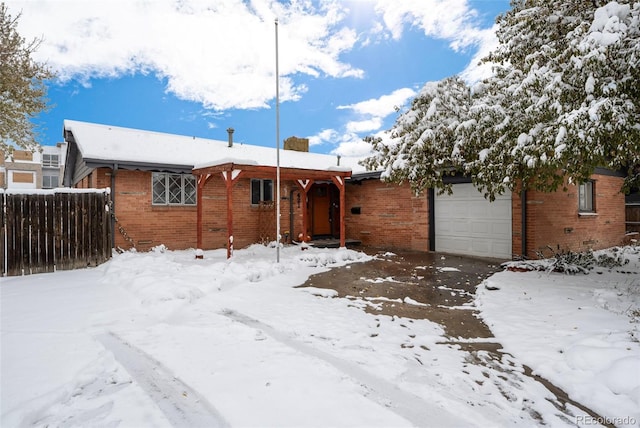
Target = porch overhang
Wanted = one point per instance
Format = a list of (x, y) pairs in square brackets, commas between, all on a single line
[(303, 177)]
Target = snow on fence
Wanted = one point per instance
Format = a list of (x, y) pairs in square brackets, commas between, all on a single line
[(49, 230)]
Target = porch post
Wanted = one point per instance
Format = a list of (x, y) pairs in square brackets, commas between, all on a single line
[(339, 182), (305, 185), (229, 177), (201, 180), (229, 184)]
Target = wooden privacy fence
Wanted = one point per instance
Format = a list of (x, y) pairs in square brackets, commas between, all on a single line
[(45, 231), (633, 217)]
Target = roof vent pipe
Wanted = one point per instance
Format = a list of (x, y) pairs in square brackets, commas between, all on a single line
[(230, 132), (338, 160)]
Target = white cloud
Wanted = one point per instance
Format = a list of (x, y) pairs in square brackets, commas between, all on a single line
[(219, 53), (353, 146), (476, 71), (372, 124), (346, 144), (370, 119), (325, 136), (383, 106), (453, 20), (372, 113)]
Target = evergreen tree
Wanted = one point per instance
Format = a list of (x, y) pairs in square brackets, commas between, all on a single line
[(22, 86), (563, 100)]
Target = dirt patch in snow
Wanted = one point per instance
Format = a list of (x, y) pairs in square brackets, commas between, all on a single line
[(416, 285)]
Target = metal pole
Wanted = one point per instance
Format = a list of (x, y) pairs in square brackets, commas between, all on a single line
[(277, 151)]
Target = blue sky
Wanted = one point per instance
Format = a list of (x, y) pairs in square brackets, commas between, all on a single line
[(197, 67)]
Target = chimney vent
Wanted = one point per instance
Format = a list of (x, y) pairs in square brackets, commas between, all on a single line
[(230, 132), (338, 160)]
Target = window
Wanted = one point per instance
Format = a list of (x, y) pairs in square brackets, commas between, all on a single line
[(261, 191), (585, 197), (173, 189), (51, 161), (50, 181)]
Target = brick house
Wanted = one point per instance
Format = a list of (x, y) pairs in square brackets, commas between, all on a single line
[(585, 216), (160, 198), (182, 192)]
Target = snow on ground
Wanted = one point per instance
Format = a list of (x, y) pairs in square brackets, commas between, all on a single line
[(580, 331), (162, 339)]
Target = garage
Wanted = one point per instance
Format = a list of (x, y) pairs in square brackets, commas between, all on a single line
[(467, 223)]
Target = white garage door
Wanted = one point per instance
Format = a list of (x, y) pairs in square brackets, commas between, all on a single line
[(467, 223)]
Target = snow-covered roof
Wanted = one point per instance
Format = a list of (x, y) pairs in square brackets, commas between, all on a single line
[(117, 144)]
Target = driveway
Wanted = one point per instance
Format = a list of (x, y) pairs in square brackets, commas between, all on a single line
[(440, 288)]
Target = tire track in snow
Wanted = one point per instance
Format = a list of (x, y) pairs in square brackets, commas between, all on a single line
[(405, 404), (180, 403)]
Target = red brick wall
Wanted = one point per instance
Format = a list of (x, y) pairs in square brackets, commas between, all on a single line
[(99, 178), (150, 225), (251, 224), (391, 216), (553, 218), (516, 222), (175, 226)]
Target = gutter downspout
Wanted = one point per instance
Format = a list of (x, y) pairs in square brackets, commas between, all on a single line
[(5, 241), (114, 171), (431, 198), (523, 232)]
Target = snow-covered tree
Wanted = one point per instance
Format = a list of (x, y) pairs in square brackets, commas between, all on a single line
[(563, 100), (22, 86), (424, 145)]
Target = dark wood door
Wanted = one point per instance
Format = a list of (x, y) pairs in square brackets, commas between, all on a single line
[(321, 214)]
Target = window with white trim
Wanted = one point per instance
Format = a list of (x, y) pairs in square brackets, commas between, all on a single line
[(51, 161), (50, 181), (586, 199), (261, 191), (173, 189)]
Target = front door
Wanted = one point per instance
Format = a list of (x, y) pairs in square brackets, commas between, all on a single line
[(321, 209)]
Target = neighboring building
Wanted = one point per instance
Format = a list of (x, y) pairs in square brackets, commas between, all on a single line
[(33, 170), (53, 160), (188, 192)]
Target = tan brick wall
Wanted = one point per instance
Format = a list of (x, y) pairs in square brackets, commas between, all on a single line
[(553, 218), (391, 216), (297, 144), (23, 177), (22, 155)]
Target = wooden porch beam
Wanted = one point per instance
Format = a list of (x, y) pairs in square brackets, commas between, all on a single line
[(262, 171)]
